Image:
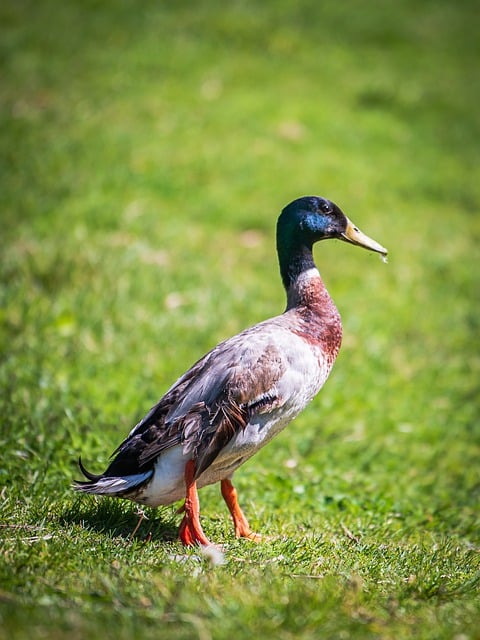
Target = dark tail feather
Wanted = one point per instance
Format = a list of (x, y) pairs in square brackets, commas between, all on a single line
[(121, 486), (90, 476)]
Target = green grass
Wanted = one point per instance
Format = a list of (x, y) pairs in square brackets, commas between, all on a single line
[(146, 150)]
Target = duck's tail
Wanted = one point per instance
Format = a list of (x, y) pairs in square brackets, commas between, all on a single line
[(120, 486)]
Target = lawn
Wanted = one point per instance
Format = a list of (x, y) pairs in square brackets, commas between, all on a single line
[(146, 150)]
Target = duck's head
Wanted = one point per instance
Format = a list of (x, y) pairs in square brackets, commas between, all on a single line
[(308, 220), (311, 218)]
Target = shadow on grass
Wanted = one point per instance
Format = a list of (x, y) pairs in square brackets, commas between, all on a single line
[(119, 520)]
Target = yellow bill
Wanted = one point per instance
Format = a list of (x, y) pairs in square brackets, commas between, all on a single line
[(353, 235)]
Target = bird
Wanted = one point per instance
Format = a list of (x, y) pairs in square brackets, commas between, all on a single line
[(243, 392)]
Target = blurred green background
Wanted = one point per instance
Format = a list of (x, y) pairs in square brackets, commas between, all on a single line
[(146, 150)]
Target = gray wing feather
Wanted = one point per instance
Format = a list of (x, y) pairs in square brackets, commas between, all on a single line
[(206, 406)]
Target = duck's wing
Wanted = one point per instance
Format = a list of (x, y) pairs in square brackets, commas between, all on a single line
[(208, 405)]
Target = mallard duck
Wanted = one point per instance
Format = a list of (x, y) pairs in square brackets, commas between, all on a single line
[(241, 393)]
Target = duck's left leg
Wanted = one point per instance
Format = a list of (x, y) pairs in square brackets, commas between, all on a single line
[(240, 522), (191, 532)]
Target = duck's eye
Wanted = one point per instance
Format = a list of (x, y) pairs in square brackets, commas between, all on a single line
[(325, 207)]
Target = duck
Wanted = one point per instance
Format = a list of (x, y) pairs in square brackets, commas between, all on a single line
[(243, 392)]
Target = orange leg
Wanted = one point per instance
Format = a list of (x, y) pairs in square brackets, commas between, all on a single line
[(190, 531), (240, 522)]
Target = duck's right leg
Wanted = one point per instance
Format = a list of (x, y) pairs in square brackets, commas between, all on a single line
[(191, 532)]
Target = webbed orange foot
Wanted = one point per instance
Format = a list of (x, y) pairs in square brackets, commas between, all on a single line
[(254, 537), (191, 533)]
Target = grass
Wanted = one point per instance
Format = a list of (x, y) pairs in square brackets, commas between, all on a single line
[(146, 151)]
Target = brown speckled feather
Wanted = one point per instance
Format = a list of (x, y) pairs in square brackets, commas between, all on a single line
[(206, 407)]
